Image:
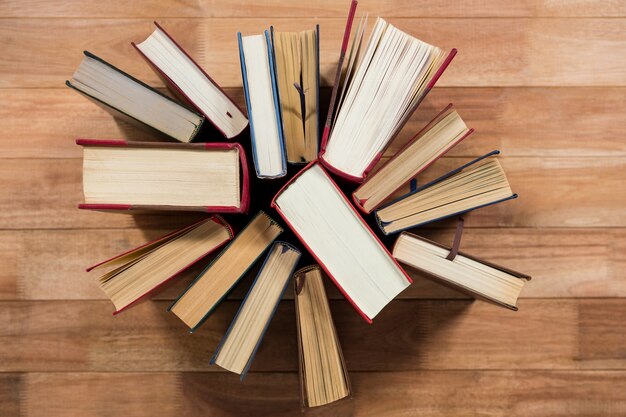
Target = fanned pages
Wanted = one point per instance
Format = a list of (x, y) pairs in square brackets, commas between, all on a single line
[(339, 239), (323, 374), (382, 89), (480, 183), (131, 99), (209, 177), (181, 73), (470, 275), (243, 337), (444, 132), (213, 284), (297, 64), (140, 271), (260, 88)]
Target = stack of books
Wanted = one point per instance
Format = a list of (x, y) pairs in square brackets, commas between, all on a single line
[(379, 84)]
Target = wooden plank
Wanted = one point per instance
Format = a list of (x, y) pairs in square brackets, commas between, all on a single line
[(322, 8), (407, 335), (50, 265), (10, 388), (434, 393), (554, 192), (504, 118), (493, 52)]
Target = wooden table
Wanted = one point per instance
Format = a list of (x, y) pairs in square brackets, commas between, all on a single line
[(544, 82)]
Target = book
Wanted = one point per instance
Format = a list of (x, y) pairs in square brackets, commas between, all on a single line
[(186, 79), (376, 94), (199, 300), (297, 75), (243, 338), (129, 176), (479, 183), (128, 99), (323, 374), (261, 90), (340, 241), (141, 271), (440, 135), (478, 278)]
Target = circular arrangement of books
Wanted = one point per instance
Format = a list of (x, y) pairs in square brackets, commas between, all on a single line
[(325, 178)]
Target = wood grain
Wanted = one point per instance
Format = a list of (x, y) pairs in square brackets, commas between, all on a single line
[(322, 8), (426, 393), (407, 335), (504, 118), (562, 262), (493, 52), (556, 192)]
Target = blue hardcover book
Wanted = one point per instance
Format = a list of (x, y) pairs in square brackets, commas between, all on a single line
[(260, 87), (479, 183), (243, 338)]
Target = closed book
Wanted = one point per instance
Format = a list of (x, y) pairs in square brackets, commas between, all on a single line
[(244, 335), (144, 176), (205, 293), (341, 242), (479, 183), (260, 87), (468, 274), (131, 100), (187, 80), (440, 135)]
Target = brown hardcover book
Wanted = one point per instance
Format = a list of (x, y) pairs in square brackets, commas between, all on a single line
[(468, 274), (323, 374)]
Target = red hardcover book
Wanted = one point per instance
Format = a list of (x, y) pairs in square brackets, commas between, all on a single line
[(359, 202), (352, 222), (430, 82), (154, 261), (182, 89), (132, 207)]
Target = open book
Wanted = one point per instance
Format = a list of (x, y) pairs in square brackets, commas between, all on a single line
[(131, 100), (199, 300), (297, 73), (323, 373), (340, 240), (479, 183), (261, 91), (470, 275), (140, 271), (243, 338), (444, 132), (380, 89), (126, 176), (187, 80)]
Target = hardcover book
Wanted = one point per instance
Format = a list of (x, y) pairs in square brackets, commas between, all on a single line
[(128, 99), (297, 75), (470, 275), (141, 271), (201, 298), (340, 240), (443, 133), (129, 176), (376, 94), (258, 70), (323, 374), (186, 79), (479, 183), (243, 338)]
